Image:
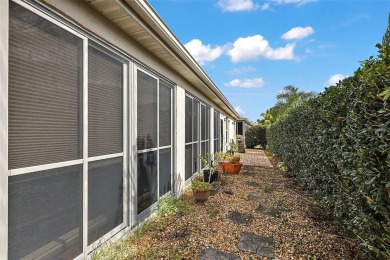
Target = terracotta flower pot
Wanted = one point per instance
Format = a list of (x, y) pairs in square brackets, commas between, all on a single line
[(201, 195), (221, 168), (233, 168)]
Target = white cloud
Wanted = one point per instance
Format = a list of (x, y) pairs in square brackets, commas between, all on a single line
[(203, 53), (236, 71), (298, 2), (246, 83), (237, 5), (240, 111), (298, 33), (265, 6), (335, 79), (255, 47)]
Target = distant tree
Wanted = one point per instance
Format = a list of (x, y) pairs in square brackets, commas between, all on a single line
[(256, 135)]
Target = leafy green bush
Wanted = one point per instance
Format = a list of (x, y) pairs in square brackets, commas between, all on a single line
[(337, 144), (255, 135)]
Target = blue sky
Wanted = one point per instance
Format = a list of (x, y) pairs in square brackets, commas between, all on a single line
[(252, 49)]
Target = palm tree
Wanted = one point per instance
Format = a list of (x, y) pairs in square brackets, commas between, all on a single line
[(386, 36), (286, 100)]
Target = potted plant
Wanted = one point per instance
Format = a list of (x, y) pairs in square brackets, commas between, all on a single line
[(233, 147), (210, 172), (214, 187), (200, 189), (219, 160), (232, 166), (236, 158)]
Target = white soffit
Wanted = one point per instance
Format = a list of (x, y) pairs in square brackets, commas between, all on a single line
[(139, 20)]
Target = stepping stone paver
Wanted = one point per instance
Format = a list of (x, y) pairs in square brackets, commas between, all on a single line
[(273, 212), (215, 254), (263, 246), (253, 184), (240, 217), (256, 197)]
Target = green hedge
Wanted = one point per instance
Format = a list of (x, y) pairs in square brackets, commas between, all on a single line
[(255, 135), (337, 144)]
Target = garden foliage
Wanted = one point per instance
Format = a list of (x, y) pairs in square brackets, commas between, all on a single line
[(337, 144), (255, 135)]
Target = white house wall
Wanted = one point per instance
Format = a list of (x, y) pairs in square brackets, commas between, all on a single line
[(90, 20)]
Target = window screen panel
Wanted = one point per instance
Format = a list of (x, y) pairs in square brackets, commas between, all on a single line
[(105, 197), (188, 161), (188, 119), (45, 83), (105, 104), (45, 214), (195, 158), (165, 172), (195, 127), (147, 180), (216, 125), (146, 111), (203, 122), (207, 123), (165, 114), (202, 153)]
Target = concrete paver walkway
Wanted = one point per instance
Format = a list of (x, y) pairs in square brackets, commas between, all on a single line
[(255, 157)]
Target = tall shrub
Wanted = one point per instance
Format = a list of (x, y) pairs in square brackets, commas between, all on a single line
[(255, 135), (337, 144)]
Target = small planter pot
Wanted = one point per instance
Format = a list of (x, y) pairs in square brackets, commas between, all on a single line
[(233, 168), (206, 176), (201, 195), (221, 167), (214, 188), (236, 159)]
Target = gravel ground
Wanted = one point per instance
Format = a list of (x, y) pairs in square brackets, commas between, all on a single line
[(302, 229)]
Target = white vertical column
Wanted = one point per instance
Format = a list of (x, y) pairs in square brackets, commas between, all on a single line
[(132, 99), (224, 135), (4, 5), (179, 144), (212, 150), (125, 146)]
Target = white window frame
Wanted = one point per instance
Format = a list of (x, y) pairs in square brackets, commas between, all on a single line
[(4, 7), (200, 125), (145, 213), (4, 50)]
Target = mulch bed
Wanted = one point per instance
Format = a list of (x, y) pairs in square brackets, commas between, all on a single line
[(300, 230)]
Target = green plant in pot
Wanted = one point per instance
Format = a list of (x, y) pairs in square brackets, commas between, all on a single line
[(219, 161), (232, 166), (210, 171), (200, 189)]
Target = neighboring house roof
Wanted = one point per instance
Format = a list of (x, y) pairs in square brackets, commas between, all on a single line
[(139, 20)]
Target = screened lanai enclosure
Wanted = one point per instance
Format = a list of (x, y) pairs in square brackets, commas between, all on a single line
[(103, 112)]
